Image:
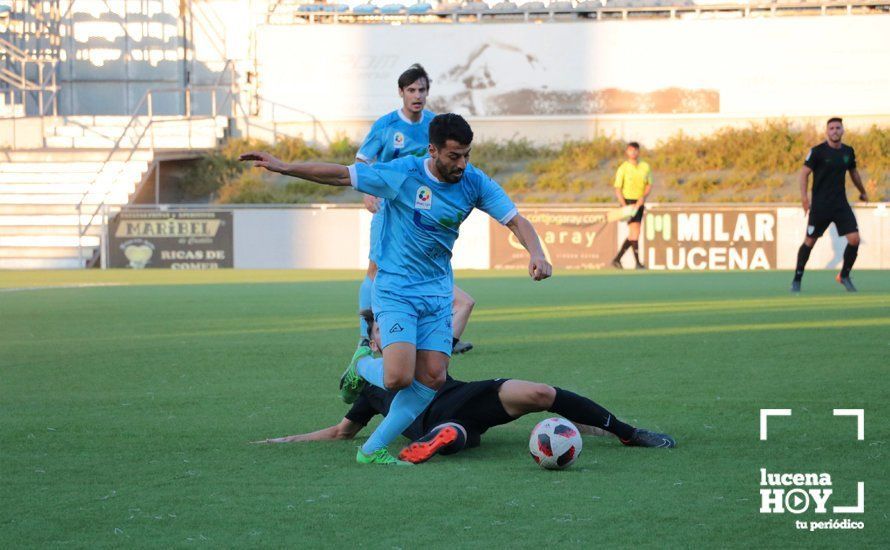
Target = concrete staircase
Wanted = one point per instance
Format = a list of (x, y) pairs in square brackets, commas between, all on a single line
[(41, 188)]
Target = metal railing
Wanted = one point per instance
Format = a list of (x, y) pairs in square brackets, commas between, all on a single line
[(144, 109), (25, 87), (275, 109)]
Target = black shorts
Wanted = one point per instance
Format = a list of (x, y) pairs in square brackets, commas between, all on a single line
[(841, 216), (638, 217), (474, 405)]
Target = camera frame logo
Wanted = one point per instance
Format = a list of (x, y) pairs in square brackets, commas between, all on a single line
[(801, 492)]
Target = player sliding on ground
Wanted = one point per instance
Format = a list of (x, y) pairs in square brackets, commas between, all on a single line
[(829, 163), (403, 132), (462, 411), (426, 201)]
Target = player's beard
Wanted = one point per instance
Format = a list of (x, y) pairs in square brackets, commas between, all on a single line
[(449, 175)]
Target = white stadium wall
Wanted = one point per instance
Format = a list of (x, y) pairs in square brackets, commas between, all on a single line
[(673, 71), (716, 237), (642, 78)]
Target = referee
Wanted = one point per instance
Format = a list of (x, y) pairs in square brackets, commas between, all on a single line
[(829, 163), (633, 182)]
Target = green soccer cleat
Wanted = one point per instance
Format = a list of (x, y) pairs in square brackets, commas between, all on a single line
[(380, 456), (351, 384)]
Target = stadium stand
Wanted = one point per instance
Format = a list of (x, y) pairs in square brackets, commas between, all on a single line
[(475, 11), (58, 173)]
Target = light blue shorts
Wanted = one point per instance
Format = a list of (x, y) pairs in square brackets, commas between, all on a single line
[(424, 321)]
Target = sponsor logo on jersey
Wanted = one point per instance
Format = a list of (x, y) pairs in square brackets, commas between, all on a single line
[(424, 198), (398, 140)]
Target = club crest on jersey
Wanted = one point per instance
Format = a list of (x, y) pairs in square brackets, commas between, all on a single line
[(424, 198), (398, 140), (810, 229)]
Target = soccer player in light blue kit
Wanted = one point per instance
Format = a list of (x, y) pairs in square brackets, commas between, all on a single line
[(401, 133), (426, 201)]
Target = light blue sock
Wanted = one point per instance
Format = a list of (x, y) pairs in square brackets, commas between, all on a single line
[(371, 369), (407, 405), (364, 302)]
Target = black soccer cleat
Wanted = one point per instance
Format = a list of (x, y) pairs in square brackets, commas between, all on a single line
[(847, 282), (645, 438), (640, 266), (795, 286), (616, 264)]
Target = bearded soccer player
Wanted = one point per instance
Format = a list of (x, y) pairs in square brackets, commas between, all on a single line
[(401, 133), (633, 183), (462, 412), (829, 163), (426, 201)]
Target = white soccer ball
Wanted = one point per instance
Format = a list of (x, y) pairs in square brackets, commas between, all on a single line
[(555, 443)]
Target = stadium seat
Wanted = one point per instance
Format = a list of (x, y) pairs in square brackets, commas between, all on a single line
[(310, 8), (533, 6), (505, 6), (561, 6), (419, 9), (335, 8), (392, 9), (589, 5), (365, 9), (448, 8), (475, 6)]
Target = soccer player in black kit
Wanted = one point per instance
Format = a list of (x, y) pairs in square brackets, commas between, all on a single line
[(462, 411), (829, 163)]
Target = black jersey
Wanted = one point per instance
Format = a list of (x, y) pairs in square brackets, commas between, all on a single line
[(830, 167), (456, 401)]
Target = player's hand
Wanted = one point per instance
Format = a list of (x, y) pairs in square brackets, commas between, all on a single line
[(372, 203), (539, 268), (805, 203), (863, 197), (264, 160)]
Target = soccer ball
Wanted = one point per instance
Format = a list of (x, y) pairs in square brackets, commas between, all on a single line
[(555, 443)]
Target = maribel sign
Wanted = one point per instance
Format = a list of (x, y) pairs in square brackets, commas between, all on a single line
[(171, 239), (572, 239), (710, 238)]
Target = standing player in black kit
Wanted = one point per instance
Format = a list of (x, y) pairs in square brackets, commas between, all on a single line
[(829, 163)]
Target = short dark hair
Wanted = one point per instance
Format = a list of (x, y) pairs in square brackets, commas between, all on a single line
[(413, 74), (368, 316), (834, 119), (634, 144), (450, 126)]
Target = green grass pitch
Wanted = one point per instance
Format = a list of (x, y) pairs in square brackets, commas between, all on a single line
[(126, 411)]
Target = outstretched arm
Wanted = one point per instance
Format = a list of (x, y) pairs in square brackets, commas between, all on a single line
[(324, 173), (346, 429), (538, 266)]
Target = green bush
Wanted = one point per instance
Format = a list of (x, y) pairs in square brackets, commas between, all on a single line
[(754, 163)]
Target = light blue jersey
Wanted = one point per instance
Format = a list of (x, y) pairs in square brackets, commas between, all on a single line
[(421, 220), (393, 136)]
